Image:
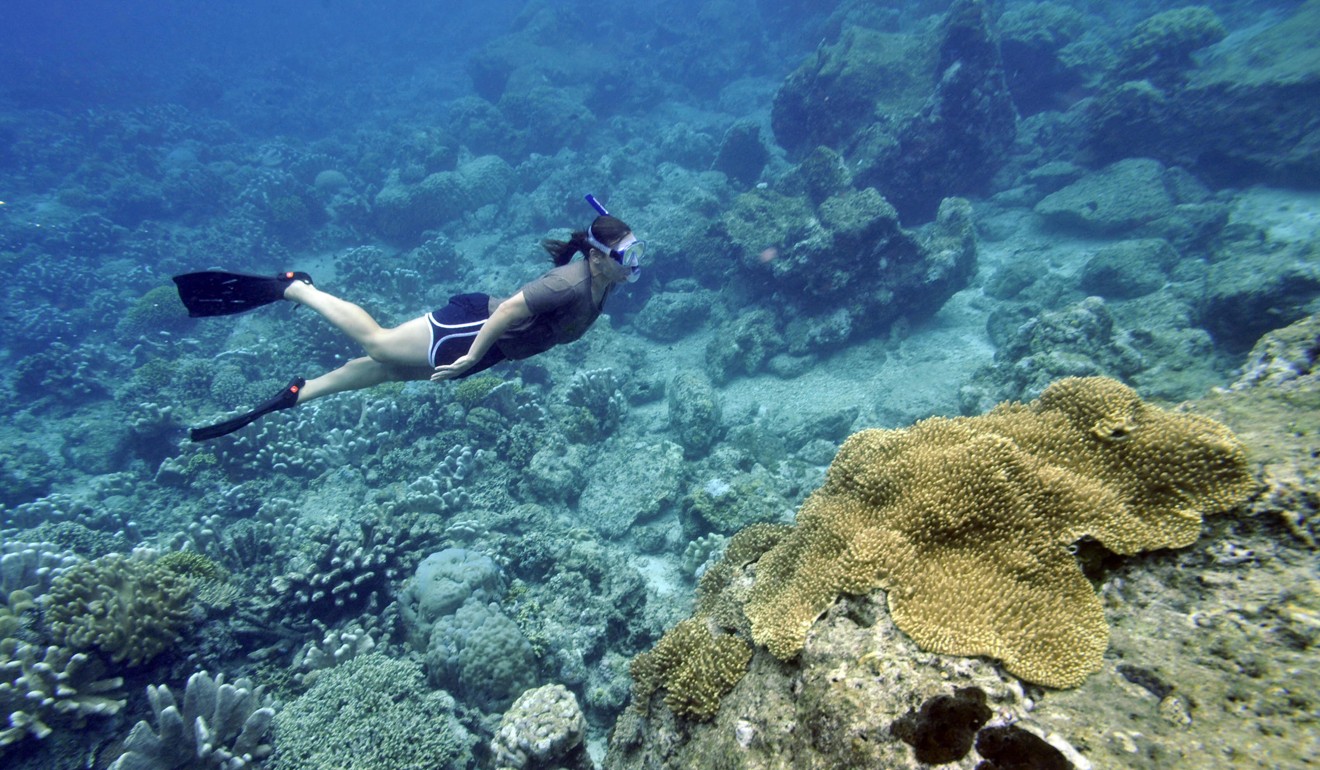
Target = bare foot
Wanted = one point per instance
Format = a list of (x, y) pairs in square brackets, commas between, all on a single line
[(297, 291)]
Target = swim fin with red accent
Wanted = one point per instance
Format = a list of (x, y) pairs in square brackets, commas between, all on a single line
[(286, 399)]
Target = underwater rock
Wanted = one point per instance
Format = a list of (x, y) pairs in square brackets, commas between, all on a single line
[(1036, 42), (669, 316), (846, 266), (1118, 198), (1078, 340), (695, 416), (655, 473), (742, 154), (1128, 269), (1253, 289), (946, 120), (1160, 48), (943, 729), (1244, 115)]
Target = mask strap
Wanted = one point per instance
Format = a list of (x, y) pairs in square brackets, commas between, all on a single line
[(597, 245)]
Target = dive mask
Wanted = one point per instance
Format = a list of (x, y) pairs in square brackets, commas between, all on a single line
[(627, 253)]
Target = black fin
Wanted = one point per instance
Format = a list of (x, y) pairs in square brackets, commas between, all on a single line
[(286, 399), (214, 292)]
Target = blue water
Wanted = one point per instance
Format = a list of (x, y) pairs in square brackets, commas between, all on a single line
[(853, 218)]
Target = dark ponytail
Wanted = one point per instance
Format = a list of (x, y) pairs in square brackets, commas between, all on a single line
[(607, 230)]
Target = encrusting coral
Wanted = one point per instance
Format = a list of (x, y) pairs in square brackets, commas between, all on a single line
[(967, 523)]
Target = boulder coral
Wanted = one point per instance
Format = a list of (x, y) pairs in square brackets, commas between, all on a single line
[(967, 524)]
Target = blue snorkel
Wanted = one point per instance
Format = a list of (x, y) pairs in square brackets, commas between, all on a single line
[(629, 257), (595, 204)]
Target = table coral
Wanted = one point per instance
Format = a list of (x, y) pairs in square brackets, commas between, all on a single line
[(966, 523)]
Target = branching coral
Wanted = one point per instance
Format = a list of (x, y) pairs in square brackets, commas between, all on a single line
[(220, 726), (40, 688), (967, 522)]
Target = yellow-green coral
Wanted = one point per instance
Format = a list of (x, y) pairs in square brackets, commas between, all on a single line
[(471, 391), (966, 522), (695, 663), (129, 609)]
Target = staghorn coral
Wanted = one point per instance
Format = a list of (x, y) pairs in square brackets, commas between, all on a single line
[(42, 688), (696, 663), (220, 726), (966, 523), (129, 608)]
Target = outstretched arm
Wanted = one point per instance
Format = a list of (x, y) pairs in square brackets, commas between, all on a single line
[(511, 311)]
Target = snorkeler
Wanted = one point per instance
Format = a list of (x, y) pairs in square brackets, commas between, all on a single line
[(470, 334)]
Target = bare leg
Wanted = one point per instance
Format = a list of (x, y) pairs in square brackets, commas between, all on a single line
[(357, 374), (406, 345)]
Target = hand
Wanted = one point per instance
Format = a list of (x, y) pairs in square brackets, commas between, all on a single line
[(450, 371)]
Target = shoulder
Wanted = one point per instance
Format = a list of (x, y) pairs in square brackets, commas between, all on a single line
[(556, 286), (564, 277)]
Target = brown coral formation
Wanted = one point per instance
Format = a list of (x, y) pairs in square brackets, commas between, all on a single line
[(967, 522), (129, 609), (696, 663)]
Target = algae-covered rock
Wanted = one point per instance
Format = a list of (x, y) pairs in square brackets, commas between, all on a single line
[(1117, 198), (920, 117), (695, 414), (1243, 114)]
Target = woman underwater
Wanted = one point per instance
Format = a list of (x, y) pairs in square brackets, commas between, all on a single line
[(470, 334)]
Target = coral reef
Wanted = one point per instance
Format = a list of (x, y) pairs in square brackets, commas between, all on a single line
[(128, 608), (544, 726), (42, 689), (696, 664), (481, 654), (370, 712), (332, 649), (966, 523), (220, 725), (443, 582)]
